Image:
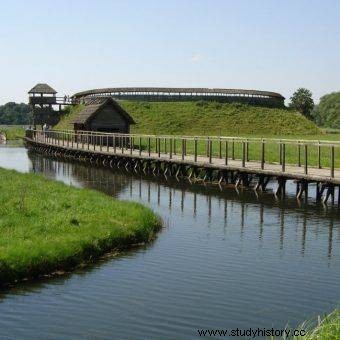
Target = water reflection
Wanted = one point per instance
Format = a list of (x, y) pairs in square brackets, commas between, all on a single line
[(226, 259), (117, 182)]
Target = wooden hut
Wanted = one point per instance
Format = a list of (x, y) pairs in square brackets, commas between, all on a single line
[(107, 116)]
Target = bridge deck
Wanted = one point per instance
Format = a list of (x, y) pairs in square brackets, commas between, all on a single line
[(289, 171)]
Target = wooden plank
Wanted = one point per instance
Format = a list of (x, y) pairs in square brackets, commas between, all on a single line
[(92, 140)]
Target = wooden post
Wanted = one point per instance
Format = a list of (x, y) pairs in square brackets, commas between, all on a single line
[(107, 143), (149, 146), (207, 147), (247, 150), (220, 148), (263, 150), (233, 149), (158, 141), (210, 151), (243, 154), (306, 159), (332, 161), (280, 152), (299, 154), (195, 149), (174, 146), (131, 144), (101, 142), (170, 146), (165, 146), (182, 148), (319, 155), (226, 153), (283, 157), (122, 143), (140, 146), (114, 144)]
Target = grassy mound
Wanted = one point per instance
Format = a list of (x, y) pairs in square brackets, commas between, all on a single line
[(205, 118), (208, 118), (46, 226), (67, 119)]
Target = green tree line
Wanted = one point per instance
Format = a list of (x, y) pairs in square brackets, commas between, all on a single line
[(15, 114), (327, 112)]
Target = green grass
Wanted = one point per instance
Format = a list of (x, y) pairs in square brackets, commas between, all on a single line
[(208, 118), (46, 226), (12, 133), (213, 119), (327, 328), (69, 114)]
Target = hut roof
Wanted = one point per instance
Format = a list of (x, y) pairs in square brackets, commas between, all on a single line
[(91, 110), (42, 88)]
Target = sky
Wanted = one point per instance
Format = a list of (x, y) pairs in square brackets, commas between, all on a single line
[(257, 44)]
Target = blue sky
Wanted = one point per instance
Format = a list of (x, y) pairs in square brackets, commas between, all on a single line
[(77, 45)]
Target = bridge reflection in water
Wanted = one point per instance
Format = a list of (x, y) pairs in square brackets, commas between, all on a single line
[(209, 206)]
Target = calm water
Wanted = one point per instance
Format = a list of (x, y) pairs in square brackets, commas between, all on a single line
[(224, 259)]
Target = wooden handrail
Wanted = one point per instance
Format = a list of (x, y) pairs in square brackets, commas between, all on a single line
[(164, 146), (213, 138)]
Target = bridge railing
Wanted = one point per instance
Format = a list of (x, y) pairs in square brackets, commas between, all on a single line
[(249, 152)]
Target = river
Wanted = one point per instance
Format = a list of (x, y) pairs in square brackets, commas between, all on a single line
[(225, 259)]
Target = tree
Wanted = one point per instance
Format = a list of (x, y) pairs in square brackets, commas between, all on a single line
[(316, 116), (13, 113), (302, 101), (329, 110)]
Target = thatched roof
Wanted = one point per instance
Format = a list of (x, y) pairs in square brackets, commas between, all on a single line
[(42, 88), (176, 90), (91, 110)]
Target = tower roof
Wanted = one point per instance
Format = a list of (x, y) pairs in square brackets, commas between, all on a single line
[(42, 88)]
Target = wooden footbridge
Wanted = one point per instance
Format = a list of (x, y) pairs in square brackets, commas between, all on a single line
[(226, 160)]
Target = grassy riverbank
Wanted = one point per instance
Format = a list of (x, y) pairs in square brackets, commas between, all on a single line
[(47, 226), (327, 328), (12, 132)]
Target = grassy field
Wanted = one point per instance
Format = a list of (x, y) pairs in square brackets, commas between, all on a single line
[(47, 226), (12, 132)]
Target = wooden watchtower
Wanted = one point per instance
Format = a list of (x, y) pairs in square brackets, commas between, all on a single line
[(43, 99), (42, 95)]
